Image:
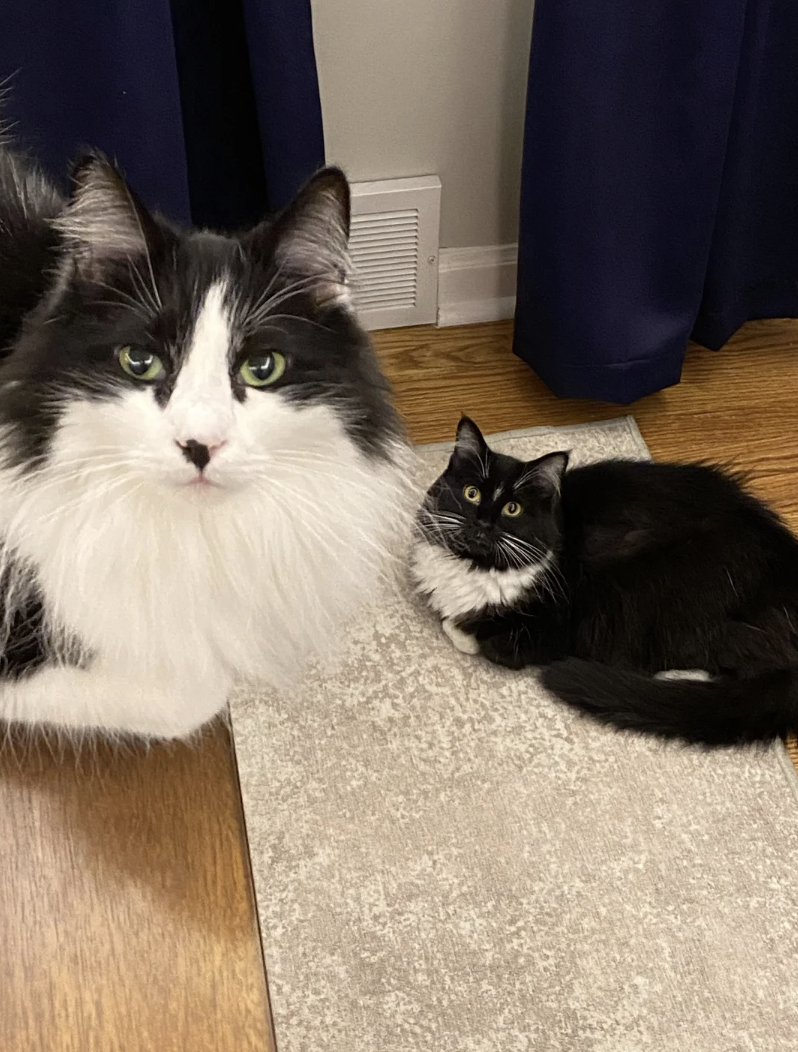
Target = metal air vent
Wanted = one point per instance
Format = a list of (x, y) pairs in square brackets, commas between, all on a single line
[(394, 248)]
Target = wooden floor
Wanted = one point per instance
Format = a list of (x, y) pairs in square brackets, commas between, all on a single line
[(126, 914)]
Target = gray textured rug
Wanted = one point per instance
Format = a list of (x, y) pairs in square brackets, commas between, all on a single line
[(446, 860)]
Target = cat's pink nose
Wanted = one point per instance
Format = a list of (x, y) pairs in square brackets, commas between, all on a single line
[(198, 453)]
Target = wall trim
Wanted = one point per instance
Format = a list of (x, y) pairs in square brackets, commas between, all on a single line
[(476, 284)]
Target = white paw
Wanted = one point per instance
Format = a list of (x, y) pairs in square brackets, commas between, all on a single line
[(684, 673), (461, 640)]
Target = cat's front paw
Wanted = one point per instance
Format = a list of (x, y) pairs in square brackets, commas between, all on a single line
[(459, 639), (504, 650)]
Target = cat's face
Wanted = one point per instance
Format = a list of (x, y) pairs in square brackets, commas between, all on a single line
[(193, 362), (499, 512)]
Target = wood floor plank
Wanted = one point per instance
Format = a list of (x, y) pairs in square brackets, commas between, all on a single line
[(126, 913), (127, 922)]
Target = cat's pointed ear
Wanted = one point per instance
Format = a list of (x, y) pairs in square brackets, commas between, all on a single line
[(104, 221), (309, 240), (545, 473), (469, 441)]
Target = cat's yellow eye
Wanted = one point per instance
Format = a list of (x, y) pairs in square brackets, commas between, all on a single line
[(263, 369), (511, 509), (139, 363), (472, 493)]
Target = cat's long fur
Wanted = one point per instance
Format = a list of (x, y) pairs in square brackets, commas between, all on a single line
[(635, 569), (139, 578)]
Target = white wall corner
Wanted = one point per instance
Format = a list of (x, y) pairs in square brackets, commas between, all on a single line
[(476, 284)]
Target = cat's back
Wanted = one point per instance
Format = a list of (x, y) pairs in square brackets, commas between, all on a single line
[(615, 509), (28, 203)]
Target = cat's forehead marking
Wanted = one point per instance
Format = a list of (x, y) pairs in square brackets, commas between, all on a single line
[(201, 404), (498, 491)]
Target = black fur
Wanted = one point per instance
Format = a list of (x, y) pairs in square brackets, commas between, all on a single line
[(25, 632), (658, 567), (28, 242)]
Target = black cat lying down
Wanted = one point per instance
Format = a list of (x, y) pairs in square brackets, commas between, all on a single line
[(613, 576)]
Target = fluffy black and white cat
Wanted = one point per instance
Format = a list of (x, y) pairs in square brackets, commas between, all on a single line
[(201, 474), (627, 571)]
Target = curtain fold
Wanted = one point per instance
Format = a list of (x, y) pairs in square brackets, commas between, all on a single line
[(210, 106), (98, 73), (280, 35), (660, 186)]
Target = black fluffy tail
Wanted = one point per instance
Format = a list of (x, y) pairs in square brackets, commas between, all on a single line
[(717, 712)]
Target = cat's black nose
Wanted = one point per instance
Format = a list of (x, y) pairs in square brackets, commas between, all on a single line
[(197, 453), (480, 539)]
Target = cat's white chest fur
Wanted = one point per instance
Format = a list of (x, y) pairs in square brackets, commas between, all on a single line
[(455, 589), (173, 598)]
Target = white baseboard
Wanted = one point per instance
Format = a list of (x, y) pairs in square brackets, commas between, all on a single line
[(476, 284)]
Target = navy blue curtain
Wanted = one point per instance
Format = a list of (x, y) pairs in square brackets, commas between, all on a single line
[(210, 106), (660, 186)]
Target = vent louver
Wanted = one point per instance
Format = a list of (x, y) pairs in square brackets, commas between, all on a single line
[(394, 248)]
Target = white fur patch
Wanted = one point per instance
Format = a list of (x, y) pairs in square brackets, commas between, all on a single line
[(202, 402), (697, 674), (460, 640), (455, 588)]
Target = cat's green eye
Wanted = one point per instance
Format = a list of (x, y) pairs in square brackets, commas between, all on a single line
[(512, 509), (140, 363), (472, 493), (263, 369)]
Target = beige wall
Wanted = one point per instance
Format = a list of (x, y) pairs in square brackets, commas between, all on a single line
[(421, 87)]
